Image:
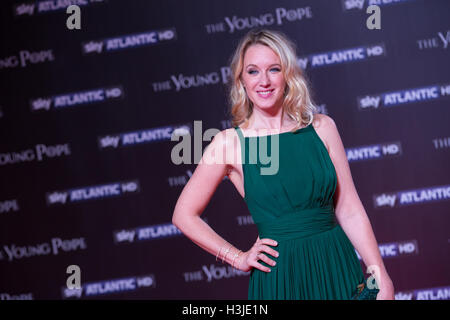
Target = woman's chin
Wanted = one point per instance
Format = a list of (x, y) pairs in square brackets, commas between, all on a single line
[(267, 104)]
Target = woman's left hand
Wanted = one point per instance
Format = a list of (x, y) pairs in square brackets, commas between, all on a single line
[(386, 289)]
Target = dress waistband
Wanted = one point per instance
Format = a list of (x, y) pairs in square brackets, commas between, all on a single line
[(298, 224)]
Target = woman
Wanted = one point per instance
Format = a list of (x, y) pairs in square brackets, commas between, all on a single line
[(308, 214)]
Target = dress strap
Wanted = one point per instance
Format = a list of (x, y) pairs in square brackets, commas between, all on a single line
[(239, 131)]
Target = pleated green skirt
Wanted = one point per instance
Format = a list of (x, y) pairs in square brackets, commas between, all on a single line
[(320, 267)]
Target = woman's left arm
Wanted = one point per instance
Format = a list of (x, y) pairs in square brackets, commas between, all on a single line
[(350, 212)]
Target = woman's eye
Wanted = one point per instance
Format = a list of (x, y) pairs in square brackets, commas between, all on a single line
[(273, 70)]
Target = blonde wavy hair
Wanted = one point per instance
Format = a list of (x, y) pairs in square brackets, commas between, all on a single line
[(297, 104)]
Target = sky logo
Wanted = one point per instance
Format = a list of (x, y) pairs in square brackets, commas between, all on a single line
[(369, 102), (109, 141), (411, 197), (124, 236), (389, 99), (93, 192), (348, 5), (111, 286), (93, 47), (129, 41), (342, 56), (57, 197)]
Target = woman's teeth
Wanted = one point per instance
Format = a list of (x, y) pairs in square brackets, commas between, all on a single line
[(265, 93)]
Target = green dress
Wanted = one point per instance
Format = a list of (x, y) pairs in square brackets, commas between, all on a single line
[(295, 207)]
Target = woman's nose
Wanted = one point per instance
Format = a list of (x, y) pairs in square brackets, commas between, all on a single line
[(265, 80)]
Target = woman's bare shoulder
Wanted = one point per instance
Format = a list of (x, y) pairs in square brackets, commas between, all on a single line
[(225, 137), (321, 121), (224, 143), (324, 126)]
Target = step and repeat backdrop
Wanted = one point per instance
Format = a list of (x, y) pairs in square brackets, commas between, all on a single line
[(88, 187)]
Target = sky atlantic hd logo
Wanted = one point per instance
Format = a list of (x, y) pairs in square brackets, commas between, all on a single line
[(280, 16), (390, 99), (115, 189), (411, 197), (361, 4), (158, 231), (396, 249), (40, 152), (146, 38), (44, 6), (375, 151), (25, 58), (355, 54), (112, 286), (142, 136), (437, 293), (166, 230), (65, 100)]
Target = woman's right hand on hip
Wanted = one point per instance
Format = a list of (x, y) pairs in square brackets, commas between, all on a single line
[(250, 259)]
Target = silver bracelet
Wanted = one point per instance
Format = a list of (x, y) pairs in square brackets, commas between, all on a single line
[(221, 249), (235, 256), (226, 252)]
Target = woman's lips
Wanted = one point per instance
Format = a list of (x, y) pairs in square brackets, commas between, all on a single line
[(265, 94)]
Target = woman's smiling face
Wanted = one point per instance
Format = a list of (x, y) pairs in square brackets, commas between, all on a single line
[(263, 77)]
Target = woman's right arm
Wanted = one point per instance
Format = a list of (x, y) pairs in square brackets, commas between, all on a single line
[(196, 195)]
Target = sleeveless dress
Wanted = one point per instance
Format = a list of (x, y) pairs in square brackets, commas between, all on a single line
[(295, 207)]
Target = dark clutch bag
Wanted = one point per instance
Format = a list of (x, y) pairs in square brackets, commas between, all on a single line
[(362, 292)]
